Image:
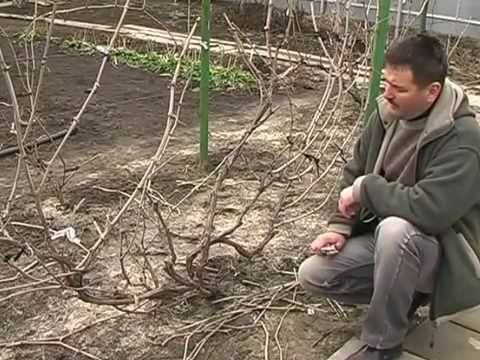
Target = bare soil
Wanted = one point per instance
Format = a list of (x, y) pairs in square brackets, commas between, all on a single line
[(120, 130), (118, 133)]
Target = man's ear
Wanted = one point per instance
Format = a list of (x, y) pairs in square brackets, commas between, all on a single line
[(434, 91)]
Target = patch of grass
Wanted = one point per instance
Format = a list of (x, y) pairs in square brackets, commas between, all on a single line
[(221, 77), (81, 47)]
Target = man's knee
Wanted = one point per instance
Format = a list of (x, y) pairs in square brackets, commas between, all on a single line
[(395, 233), (313, 275)]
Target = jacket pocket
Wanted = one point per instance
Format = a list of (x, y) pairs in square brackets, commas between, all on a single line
[(474, 260)]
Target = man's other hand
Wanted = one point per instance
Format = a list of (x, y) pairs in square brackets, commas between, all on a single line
[(347, 204), (327, 239)]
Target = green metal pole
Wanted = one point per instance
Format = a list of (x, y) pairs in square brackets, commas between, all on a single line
[(378, 56), (204, 82)]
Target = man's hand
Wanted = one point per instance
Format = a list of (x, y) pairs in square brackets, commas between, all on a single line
[(328, 239), (347, 204)]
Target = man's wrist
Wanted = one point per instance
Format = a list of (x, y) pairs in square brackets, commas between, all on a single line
[(342, 229)]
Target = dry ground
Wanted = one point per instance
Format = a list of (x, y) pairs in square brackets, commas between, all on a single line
[(120, 131)]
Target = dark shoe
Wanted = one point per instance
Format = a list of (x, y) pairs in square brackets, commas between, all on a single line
[(419, 299), (369, 353)]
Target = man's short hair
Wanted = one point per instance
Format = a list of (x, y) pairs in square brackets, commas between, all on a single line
[(423, 54)]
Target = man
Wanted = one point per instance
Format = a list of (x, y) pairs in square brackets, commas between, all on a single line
[(407, 227)]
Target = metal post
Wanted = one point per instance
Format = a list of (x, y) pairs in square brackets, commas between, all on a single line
[(378, 57), (423, 16), (398, 20), (338, 20), (323, 7), (204, 82)]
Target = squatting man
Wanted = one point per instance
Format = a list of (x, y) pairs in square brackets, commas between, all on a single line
[(407, 228)]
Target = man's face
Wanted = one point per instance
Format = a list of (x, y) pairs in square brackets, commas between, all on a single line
[(406, 100)]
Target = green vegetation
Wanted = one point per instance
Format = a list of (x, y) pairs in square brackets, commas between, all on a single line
[(222, 77)]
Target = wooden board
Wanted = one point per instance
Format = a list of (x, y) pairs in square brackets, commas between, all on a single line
[(348, 348), (224, 46), (45, 2), (408, 356), (470, 320), (354, 344), (171, 37), (451, 342)]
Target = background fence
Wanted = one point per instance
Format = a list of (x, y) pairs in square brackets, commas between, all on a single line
[(460, 17)]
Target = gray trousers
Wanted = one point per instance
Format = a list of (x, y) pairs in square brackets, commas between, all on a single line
[(384, 270)]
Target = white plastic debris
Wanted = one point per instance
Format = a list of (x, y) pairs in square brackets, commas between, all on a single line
[(12, 129), (68, 233)]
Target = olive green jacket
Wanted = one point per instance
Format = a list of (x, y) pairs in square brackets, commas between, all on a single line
[(444, 199)]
